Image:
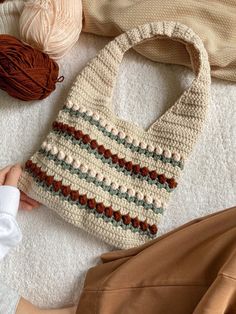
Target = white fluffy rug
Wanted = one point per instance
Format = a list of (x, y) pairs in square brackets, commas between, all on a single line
[(49, 266)]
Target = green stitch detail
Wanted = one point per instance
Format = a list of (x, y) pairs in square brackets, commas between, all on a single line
[(102, 184), (108, 161), (122, 141), (106, 219)]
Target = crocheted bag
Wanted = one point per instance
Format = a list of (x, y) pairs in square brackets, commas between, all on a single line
[(108, 176)]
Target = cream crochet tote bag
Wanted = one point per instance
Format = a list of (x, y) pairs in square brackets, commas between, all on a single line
[(108, 176)]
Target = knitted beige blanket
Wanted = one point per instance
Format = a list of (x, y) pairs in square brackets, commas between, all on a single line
[(214, 21)]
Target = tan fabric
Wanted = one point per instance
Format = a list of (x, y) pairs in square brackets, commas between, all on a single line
[(189, 270), (214, 21)]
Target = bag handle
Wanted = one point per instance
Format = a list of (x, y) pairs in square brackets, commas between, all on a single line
[(94, 85)]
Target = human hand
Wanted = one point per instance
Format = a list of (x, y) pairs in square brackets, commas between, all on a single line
[(10, 176)]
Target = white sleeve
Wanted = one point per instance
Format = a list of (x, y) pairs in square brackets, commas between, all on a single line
[(10, 234), (9, 300)]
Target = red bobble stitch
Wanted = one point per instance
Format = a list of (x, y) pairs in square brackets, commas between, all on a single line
[(57, 185), (101, 149), (83, 199), (64, 127), (55, 125), (86, 139), (162, 178), (74, 195), (37, 171), (153, 229), (91, 203), (117, 216), (172, 183), (42, 176), (93, 144), (108, 212), (144, 171), (153, 175), (143, 225), (129, 165), (49, 180), (71, 130), (28, 164), (100, 208), (65, 190), (59, 125), (107, 153), (135, 222), (78, 134), (115, 159), (33, 167), (121, 162), (126, 219), (136, 169)]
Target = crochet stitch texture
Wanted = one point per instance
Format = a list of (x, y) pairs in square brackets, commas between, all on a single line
[(109, 176)]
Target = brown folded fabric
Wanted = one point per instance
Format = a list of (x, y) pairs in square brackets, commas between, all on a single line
[(214, 21), (189, 270)]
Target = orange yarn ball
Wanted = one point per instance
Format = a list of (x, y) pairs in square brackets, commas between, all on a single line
[(26, 73)]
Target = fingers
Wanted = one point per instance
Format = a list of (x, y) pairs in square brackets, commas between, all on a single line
[(25, 206), (10, 176), (13, 175), (3, 173), (27, 203), (30, 201)]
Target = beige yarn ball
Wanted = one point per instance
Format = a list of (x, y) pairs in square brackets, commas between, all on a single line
[(52, 26)]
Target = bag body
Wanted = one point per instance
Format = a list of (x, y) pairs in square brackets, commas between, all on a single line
[(106, 175)]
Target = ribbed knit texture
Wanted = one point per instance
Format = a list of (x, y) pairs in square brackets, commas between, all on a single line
[(109, 176), (213, 21), (10, 12), (215, 24)]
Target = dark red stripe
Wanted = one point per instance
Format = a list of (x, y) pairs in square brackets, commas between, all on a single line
[(90, 202), (128, 165)]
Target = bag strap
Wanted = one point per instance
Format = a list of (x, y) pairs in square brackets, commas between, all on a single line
[(94, 85)]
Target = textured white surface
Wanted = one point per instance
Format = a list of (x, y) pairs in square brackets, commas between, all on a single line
[(49, 266)]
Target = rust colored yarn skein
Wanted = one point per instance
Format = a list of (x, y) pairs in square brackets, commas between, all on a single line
[(26, 73)]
